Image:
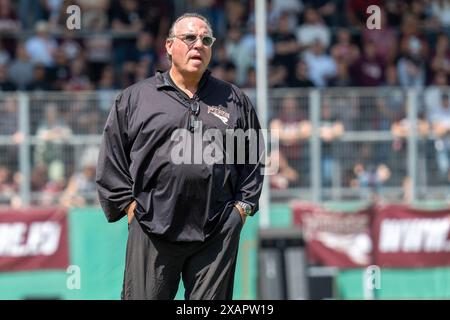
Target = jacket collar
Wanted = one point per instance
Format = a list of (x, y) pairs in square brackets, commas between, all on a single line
[(163, 80)]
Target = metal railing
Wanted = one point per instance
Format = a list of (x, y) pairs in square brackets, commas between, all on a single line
[(356, 144)]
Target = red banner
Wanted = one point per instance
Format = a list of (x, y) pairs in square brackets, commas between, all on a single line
[(392, 236), (335, 238), (406, 237), (33, 239)]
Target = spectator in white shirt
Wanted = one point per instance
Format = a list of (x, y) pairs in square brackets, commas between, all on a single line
[(313, 29), (42, 46), (321, 66), (441, 11), (433, 93)]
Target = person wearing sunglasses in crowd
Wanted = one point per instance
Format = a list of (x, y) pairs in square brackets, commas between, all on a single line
[(184, 217)]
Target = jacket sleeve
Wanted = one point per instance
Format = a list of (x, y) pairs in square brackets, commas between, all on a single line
[(114, 182), (251, 177)]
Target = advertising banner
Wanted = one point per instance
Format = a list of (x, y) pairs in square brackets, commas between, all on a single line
[(406, 237), (33, 239), (335, 238), (393, 236)]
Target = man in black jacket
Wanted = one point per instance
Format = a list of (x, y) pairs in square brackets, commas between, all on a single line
[(184, 216)]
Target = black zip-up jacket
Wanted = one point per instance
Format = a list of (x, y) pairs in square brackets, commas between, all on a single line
[(179, 202)]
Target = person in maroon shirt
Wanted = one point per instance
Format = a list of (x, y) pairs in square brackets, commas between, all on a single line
[(368, 70), (293, 128)]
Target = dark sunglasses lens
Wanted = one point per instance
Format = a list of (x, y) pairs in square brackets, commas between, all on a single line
[(207, 41)]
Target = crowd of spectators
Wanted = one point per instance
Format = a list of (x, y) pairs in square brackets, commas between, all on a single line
[(326, 40), (311, 43)]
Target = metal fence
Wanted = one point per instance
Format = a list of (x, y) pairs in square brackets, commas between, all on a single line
[(360, 143), (335, 144), (49, 144)]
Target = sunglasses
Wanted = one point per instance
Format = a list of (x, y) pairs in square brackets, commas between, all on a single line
[(189, 39), (194, 109)]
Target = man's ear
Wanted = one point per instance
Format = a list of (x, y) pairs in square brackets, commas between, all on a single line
[(169, 44)]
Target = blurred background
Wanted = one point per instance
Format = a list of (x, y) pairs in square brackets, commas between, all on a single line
[(363, 156)]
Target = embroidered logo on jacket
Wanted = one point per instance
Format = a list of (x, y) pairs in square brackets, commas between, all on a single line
[(219, 113)]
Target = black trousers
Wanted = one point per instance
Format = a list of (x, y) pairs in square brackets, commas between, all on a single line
[(154, 266)]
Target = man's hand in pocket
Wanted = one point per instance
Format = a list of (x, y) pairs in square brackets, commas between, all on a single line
[(130, 211)]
